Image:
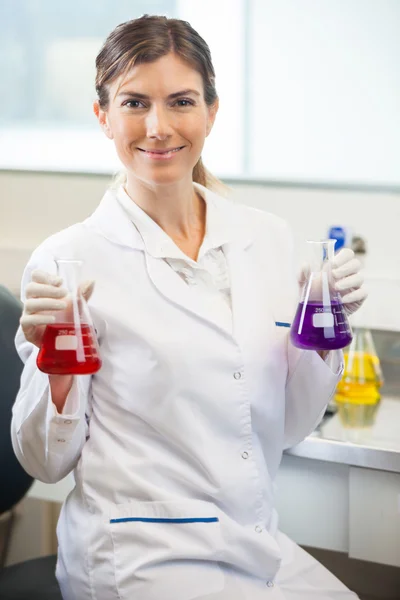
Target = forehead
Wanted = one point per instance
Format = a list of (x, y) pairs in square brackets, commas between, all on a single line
[(163, 76)]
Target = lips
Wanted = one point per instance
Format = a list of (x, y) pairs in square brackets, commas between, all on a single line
[(158, 155), (166, 151)]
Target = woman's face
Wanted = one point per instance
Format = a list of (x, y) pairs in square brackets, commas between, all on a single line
[(158, 119)]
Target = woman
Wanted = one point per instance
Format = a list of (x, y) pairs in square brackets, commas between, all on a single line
[(176, 441)]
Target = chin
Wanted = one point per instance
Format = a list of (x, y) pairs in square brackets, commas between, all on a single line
[(164, 179)]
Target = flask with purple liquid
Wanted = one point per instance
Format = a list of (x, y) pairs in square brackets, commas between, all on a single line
[(320, 322)]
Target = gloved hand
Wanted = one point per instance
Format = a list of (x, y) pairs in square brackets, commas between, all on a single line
[(43, 294), (348, 280), (347, 277)]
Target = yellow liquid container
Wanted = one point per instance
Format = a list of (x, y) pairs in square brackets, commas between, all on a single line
[(358, 393)]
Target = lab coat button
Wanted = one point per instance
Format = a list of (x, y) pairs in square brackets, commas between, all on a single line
[(270, 584), (258, 528), (237, 375), (245, 455)]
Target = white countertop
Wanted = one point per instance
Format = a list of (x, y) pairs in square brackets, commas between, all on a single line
[(377, 447)]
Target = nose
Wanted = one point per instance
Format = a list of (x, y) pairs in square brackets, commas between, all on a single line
[(157, 123)]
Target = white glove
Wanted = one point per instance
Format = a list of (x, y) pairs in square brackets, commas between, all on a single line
[(349, 280), (347, 277), (43, 294)]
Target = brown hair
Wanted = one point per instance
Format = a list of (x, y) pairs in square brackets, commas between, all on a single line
[(145, 40)]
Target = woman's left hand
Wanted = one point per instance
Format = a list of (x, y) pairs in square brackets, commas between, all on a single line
[(348, 280)]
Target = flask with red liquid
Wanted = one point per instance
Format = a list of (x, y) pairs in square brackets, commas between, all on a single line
[(320, 322), (69, 346)]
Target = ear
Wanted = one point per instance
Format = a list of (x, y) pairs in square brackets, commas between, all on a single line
[(212, 113), (103, 120)]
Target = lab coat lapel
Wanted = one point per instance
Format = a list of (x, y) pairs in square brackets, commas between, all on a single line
[(251, 304), (212, 309), (110, 220), (241, 289)]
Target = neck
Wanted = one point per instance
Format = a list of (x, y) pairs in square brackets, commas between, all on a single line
[(178, 209)]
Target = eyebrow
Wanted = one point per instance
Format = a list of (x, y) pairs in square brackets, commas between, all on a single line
[(170, 97)]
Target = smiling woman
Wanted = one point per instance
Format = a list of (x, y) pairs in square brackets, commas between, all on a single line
[(177, 439), (157, 98), (154, 118)]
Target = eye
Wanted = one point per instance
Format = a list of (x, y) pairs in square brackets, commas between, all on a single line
[(132, 103), (184, 102)]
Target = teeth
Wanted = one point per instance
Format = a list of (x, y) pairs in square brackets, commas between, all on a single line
[(168, 151)]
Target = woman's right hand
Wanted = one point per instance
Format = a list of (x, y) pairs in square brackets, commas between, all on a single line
[(43, 294)]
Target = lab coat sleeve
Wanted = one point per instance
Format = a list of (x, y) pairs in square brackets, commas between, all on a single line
[(310, 386), (47, 444), (311, 381)]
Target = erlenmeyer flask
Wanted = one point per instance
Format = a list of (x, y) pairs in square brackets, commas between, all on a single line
[(69, 345), (358, 392), (320, 322)]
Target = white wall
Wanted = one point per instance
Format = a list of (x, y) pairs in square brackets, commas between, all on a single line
[(324, 90), (35, 205)]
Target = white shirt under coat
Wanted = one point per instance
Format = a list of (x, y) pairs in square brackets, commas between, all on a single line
[(209, 272), (175, 443)]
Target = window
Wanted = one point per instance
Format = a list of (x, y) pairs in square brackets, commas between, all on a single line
[(325, 91), (309, 91), (48, 52)]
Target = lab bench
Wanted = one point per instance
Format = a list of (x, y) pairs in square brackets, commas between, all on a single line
[(339, 489)]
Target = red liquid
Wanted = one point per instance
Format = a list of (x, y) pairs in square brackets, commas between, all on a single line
[(55, 359)]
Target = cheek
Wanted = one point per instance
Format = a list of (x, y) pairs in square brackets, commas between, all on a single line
[(126, 129), (194, 130)]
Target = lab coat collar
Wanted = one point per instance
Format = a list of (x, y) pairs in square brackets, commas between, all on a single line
[(158, 244), (225, 224), (234, 228)]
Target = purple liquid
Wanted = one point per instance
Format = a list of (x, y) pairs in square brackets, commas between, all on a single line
[(321, 329)]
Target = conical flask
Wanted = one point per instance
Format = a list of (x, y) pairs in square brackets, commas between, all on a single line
[(320, 322), (69, 346), (358, 392)]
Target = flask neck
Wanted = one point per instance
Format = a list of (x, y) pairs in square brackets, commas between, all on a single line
[(69, 270), (320, 255)]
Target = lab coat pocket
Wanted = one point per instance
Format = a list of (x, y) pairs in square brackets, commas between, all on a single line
[(167, 550)]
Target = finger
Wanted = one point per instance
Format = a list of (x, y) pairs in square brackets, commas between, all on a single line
[(348, 268), (86, 288), (343, 256), (347, 283), (35, 320), (355, 296), (42, 290), (303, 274), (35, 305), (43, 277)]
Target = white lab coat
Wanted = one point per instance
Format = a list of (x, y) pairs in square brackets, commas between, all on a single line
[(187, 419)]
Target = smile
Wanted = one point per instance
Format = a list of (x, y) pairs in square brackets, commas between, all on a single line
[(161, 154)]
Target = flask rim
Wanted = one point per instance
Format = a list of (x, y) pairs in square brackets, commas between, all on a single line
[(75, 261), (320, 242)]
